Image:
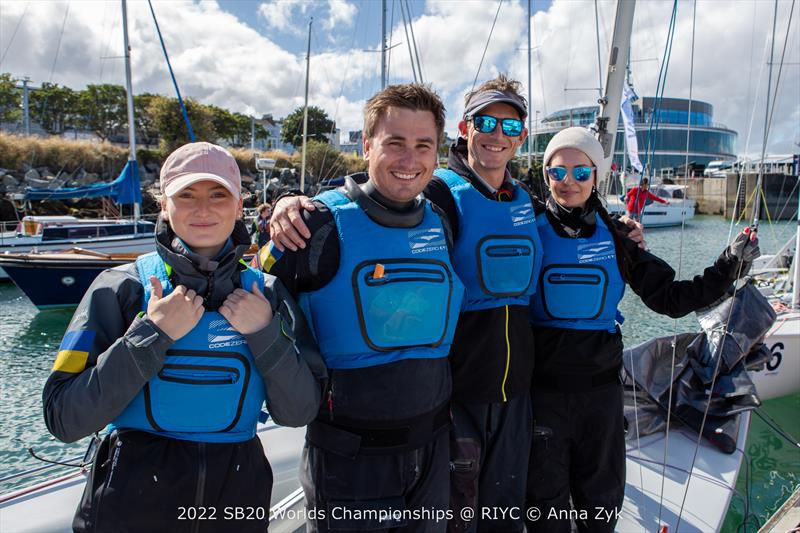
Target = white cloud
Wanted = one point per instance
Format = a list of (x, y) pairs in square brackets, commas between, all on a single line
[(342, 15), (279, 14), (220, 60), (727, 35)]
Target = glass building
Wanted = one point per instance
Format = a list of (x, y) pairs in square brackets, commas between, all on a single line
[(708, 141)]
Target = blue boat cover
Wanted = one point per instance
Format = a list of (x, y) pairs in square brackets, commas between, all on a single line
[(126, 189)]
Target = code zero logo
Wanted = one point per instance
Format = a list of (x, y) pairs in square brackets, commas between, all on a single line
[(595, 251), (222, 335), (522, 214), (426, 240)]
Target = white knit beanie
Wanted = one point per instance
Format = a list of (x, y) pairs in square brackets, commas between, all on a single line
[(581, 139)]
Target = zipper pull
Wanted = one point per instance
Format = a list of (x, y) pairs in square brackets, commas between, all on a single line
[(330, 403)]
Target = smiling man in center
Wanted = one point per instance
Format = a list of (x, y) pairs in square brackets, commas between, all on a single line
[(382, 297)]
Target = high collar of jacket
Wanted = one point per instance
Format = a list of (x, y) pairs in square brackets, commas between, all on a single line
[(574, 222), (382, 210), (213, 279), (458, 162)]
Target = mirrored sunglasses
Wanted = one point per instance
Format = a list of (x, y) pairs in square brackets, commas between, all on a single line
[(581, 173), (511, 127)]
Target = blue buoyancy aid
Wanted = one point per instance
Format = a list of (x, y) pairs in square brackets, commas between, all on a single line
[(209, 389), (580, 285), (395, 294), (498, 252)]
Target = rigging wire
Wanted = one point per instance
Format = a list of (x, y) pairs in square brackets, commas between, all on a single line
[(172, 74), (339, 161), (14, 33), (58, 44), (756, 206), (680, 263), (408, 42), (391, 35), (414, 41), (780, 71), (485, 48)]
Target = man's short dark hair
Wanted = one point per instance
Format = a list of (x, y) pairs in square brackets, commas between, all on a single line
[(414, 96)]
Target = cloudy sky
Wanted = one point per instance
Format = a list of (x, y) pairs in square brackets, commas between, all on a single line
[(248, 55)]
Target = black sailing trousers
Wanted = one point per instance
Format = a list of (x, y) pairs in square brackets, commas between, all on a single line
[(404, 491), (488, 465), (145, 482), (578, 451)]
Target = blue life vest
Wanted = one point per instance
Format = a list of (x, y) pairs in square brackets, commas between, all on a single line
[(498, 252), (395, 295), (209, 389), (580, 284)]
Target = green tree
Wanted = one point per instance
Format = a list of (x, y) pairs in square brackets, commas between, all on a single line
[(104, 109), (323, 161), (319, 124), (224, 123), (54, 107), (146, 131), (10, 99), (168, 119)]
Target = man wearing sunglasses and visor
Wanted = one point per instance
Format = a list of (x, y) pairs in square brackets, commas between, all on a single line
[(497, 256)]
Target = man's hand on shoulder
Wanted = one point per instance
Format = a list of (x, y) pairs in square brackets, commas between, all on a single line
[(287, 228)]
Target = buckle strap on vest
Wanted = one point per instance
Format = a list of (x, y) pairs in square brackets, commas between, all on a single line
[(352, 439), (574, 382)]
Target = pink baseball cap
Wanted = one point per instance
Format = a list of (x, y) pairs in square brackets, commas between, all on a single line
[(200, 161)]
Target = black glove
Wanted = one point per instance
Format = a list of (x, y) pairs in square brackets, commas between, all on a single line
[(744, 249)]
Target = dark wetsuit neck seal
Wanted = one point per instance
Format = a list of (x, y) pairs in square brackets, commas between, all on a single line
[(382, 210)]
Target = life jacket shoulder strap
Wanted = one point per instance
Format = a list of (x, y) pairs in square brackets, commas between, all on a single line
[(248, 276), (333, 198), (148, 265), (451, 178)]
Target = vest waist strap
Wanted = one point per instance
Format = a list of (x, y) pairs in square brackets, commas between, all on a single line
[(350, 438)]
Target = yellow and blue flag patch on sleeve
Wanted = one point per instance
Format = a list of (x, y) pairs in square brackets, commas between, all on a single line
[(74, 351), (268, 255)]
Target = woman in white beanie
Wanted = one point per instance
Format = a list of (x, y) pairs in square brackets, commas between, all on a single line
[(578, 452)]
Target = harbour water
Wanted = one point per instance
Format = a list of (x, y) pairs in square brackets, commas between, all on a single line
[(29, 340)]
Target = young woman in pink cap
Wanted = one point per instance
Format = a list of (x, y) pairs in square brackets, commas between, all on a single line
[(175, 355)]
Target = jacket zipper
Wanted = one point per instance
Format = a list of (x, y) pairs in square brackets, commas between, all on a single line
[(209, 289), (201, 482), (330, 400), (508, 360)]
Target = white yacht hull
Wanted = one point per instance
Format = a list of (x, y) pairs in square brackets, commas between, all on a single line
[(782, 373), (658, 215), (141, 244)]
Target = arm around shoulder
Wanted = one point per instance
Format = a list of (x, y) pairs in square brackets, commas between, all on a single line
[(288, 360)]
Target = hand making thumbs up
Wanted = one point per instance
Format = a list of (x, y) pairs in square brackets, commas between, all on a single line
[(177, 313)]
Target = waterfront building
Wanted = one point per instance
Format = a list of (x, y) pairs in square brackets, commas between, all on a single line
[(708, 140)]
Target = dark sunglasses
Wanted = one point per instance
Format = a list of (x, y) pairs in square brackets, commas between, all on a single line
[(511, 127), (581, 173)]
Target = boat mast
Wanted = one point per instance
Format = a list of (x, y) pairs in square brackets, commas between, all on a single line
[(530, 100), (795, 265), (305, 112), (618, 55), (383, 44), (129, 95)]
